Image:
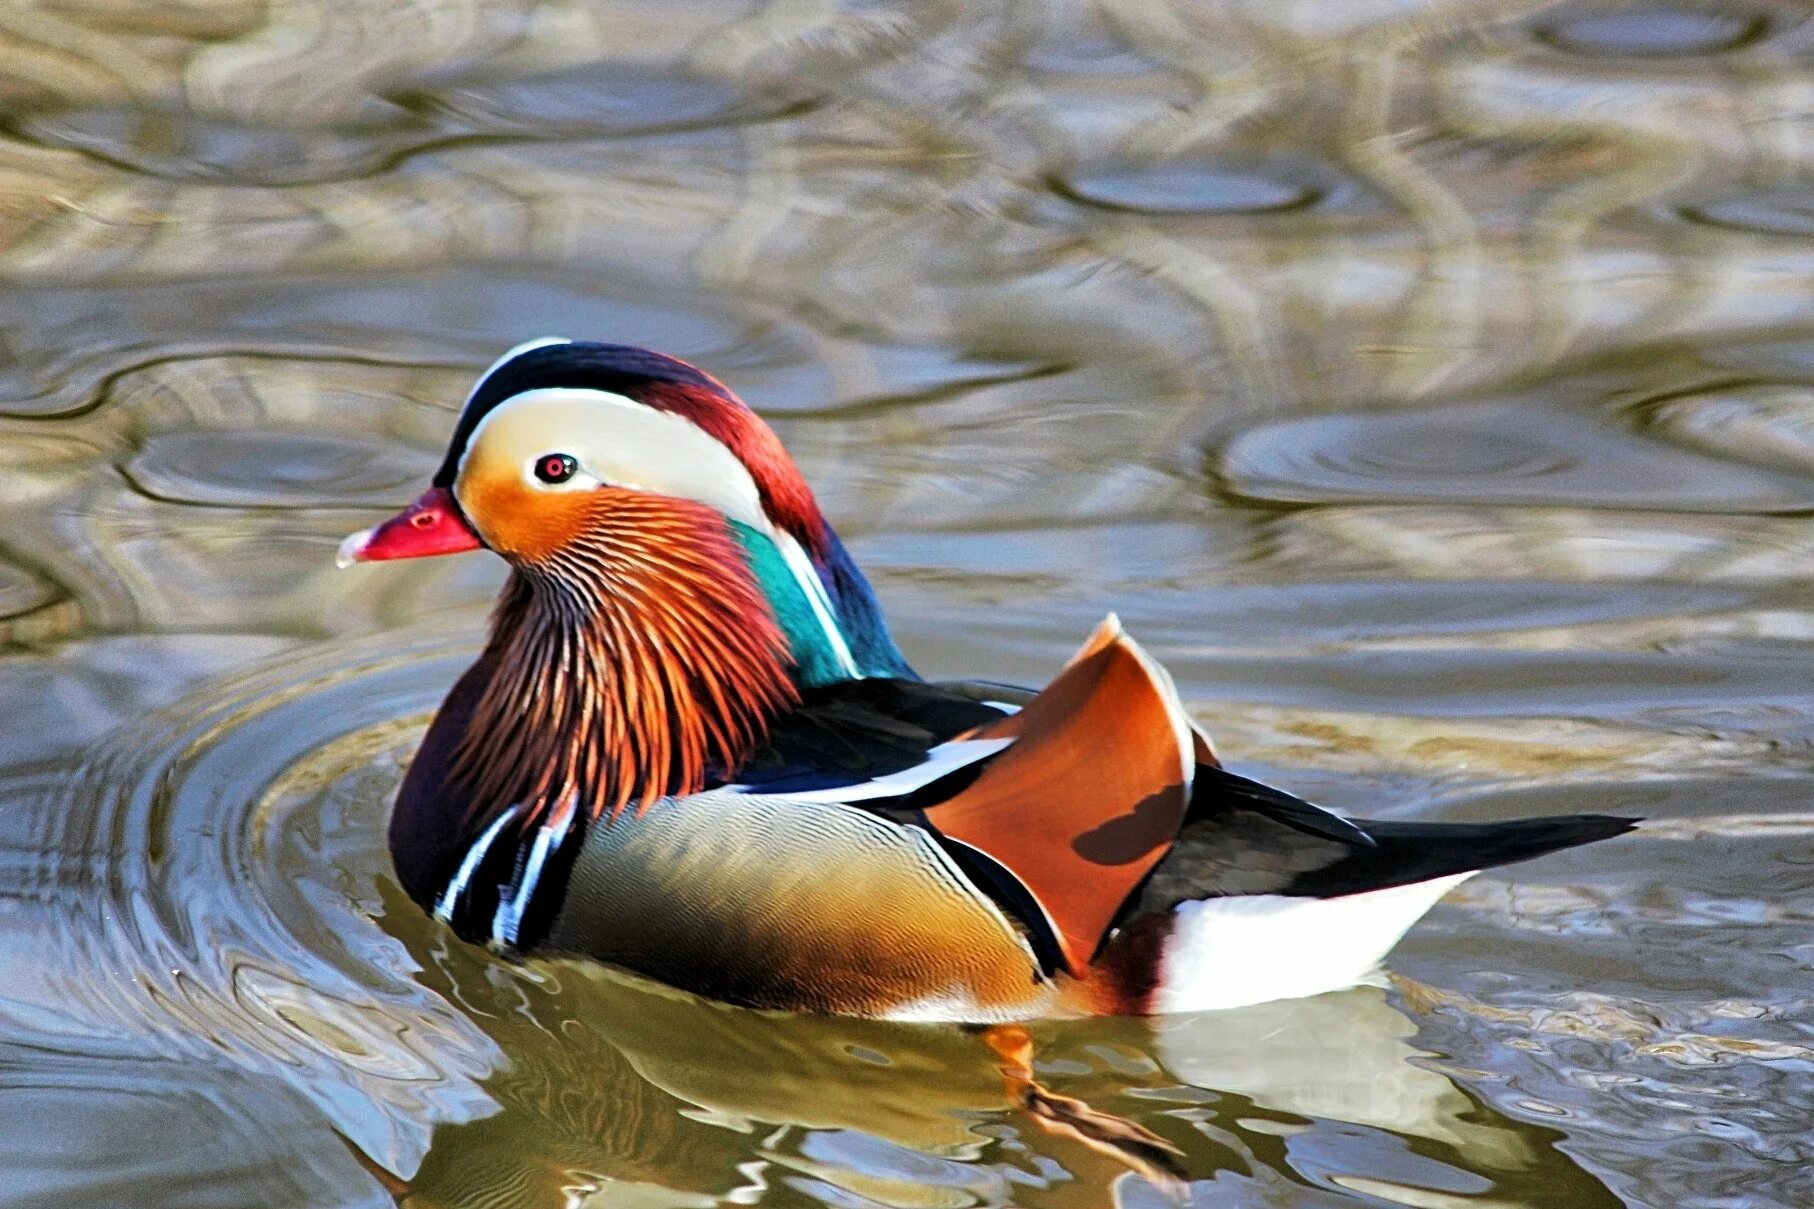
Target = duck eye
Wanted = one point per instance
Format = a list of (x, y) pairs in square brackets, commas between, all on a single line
[(555, 467)]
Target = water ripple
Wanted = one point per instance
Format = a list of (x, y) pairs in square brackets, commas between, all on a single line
[(184, 858), (21, 591), (1646, 31), (177, 146), (265, 468), (1489, 453), (590, 101), (1768, 212), (1771, 424), (1199, 189)]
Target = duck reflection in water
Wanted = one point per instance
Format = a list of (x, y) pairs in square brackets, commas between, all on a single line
[(640, 1094)]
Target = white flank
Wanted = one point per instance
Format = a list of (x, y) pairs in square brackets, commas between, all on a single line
[(943, 759), (1231, 952)]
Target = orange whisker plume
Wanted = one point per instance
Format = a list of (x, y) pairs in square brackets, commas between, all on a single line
[(631, 662)]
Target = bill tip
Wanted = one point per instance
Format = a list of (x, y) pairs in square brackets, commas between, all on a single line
[(351, 549)]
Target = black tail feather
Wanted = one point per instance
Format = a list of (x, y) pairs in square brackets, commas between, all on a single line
[(1215, 789), (1416, 852)]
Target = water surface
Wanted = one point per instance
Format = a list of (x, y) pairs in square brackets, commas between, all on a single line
[(1430, 384)]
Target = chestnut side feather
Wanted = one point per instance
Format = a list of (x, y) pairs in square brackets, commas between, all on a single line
[(630, 663)]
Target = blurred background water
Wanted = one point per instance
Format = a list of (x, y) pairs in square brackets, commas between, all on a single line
[(1430, 384)]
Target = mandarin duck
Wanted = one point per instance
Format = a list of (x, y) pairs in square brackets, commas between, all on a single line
[(690, 749)]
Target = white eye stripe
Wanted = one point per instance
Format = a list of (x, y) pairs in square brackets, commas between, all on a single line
[(618, 441)]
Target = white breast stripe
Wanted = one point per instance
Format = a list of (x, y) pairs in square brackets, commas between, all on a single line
[(456, 886), (509, 918), (943, 759)]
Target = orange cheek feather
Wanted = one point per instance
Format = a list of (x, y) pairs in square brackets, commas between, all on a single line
[(518, 521)]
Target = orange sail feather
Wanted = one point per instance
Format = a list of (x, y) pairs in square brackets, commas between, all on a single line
[(1092, 793)]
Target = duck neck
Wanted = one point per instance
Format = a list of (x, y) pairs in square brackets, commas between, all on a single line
[(632, 664), (824, 607)]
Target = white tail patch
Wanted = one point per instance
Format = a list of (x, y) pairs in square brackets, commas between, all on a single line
[(1245, 949)]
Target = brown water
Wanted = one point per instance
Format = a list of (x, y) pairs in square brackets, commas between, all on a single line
[(1430, 384)]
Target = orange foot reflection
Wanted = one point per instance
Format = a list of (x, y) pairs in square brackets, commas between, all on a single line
[(1132, 1145)]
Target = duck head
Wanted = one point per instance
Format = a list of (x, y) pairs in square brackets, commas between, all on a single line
[(673, 582)]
